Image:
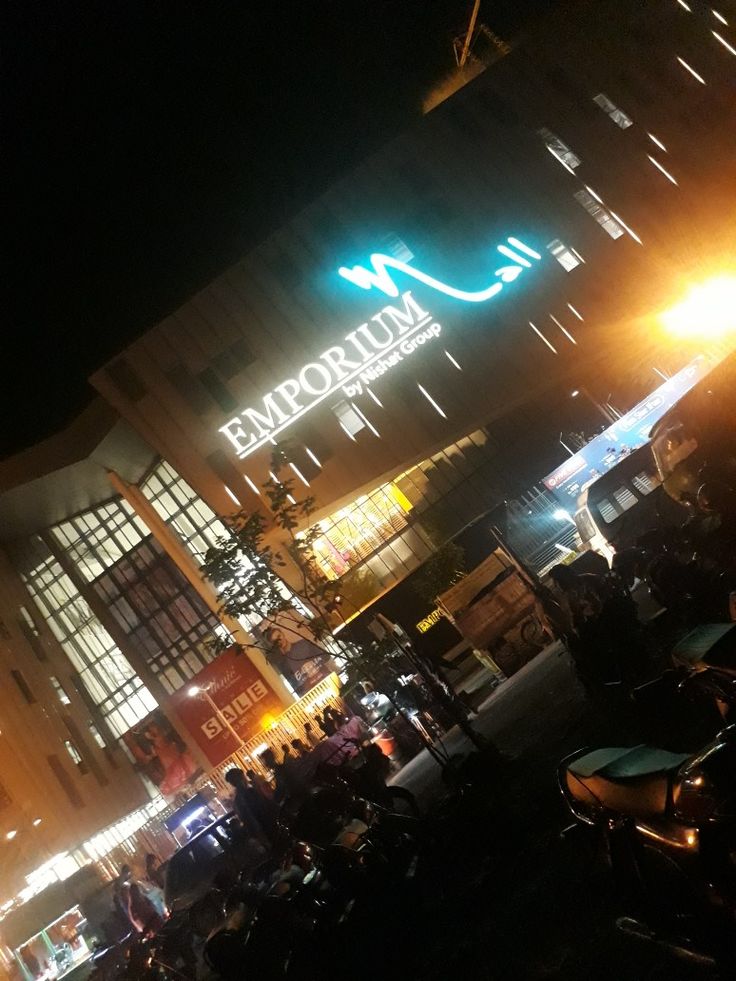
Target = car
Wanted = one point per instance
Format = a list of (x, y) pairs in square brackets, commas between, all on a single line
[(222, 845)]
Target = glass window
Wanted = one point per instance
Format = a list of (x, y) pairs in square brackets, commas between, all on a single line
[(174, 500), (103, 670), (566, 258), (597, 211), (617, 115), (348, 418), (63, 697), (561, 151)]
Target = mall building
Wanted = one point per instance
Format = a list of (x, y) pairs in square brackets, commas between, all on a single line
[(410, 340)]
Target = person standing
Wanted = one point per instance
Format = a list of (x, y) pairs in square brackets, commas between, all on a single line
[(246, 804)]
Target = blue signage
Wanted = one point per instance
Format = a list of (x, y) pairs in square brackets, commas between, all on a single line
[(629, 433)]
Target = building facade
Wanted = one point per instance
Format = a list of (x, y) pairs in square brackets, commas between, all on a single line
[(410, 341)]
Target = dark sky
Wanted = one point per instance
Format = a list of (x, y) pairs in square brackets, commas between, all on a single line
[(150, 143)]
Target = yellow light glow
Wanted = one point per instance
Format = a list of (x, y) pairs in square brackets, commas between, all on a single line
[(707, 312)]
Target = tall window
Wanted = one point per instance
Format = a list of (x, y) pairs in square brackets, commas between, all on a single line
[(106, 674), (194, 521), (153, 602), (596, 210)]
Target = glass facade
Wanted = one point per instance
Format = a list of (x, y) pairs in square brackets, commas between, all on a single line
[(104, 671), (381, 537), (194, 521), (164, 617), (153, 603)]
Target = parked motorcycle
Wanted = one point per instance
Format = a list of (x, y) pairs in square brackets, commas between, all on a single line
[(667, 822)]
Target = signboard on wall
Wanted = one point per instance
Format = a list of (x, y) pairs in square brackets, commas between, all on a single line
[(372, 349), (160, 753), (629, 433), (232, 696)]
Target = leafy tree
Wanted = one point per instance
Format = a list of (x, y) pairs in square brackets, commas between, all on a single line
[(245, 570)]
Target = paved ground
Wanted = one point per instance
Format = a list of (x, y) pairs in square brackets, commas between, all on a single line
[(511, 897)]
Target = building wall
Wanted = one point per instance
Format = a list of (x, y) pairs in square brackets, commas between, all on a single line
[(52, 767), (471, 173)]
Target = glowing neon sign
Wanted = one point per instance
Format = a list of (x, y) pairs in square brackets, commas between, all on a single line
[(367, 352), (380, 279)]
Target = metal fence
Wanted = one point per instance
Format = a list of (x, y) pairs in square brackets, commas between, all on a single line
[(539, 531)]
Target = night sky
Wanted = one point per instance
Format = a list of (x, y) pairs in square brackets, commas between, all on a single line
[(151, 143)]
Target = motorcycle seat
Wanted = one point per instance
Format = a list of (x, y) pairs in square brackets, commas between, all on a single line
[(632, 781)]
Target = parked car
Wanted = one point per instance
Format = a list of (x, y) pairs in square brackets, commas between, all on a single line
[(222, 845)]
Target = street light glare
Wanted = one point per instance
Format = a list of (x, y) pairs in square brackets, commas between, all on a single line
[(11, 834), (194, 691), (561, 515), (708, 311), (574, 394)]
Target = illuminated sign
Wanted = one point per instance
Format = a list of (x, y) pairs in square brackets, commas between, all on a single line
[(627, 434), (379, 278), (367, 352), (428, 622)]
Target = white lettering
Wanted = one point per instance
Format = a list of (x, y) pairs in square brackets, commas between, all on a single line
[(375, 347), (271, 416), (235, 433), (212, 727), (288, 391), (241, 704), (410, 344), (365, 330), (322, 372), (409, 317), (335, 358), (355, 341), (257, 691)]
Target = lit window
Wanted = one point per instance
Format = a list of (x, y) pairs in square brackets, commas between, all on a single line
[(96, 735), (63, 697), (560, 150), (617, 115), (348, 419), (73, 751), (597, 211), (28, 620), (394, 246), (355, 532), (564, 256)]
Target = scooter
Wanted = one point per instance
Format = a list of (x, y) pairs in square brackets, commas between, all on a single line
[(667, 822)]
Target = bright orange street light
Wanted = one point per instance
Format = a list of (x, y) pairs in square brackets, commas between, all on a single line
[(708, 312)]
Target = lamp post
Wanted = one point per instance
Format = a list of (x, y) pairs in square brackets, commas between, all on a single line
[(562, 515), (195, 691)]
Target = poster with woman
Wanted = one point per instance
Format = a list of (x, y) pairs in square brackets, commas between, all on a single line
[(293, 651), (161, 753)]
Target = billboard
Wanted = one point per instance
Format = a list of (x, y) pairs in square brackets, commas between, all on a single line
[(233, 698), (160, 753), (627, 434), (293, 651)]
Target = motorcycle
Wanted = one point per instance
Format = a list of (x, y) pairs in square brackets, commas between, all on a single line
[(667, 823), (691, 702)]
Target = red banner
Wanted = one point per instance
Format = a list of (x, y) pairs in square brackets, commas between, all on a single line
[(232, 696)]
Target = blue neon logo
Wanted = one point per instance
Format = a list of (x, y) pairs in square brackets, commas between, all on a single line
[(378, 275)]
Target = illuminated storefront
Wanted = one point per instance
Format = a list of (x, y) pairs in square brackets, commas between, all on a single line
[(55, 951)]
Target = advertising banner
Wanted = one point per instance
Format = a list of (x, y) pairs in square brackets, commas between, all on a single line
[(160, 753), (233, 696), (630, 432), (293, 651)]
